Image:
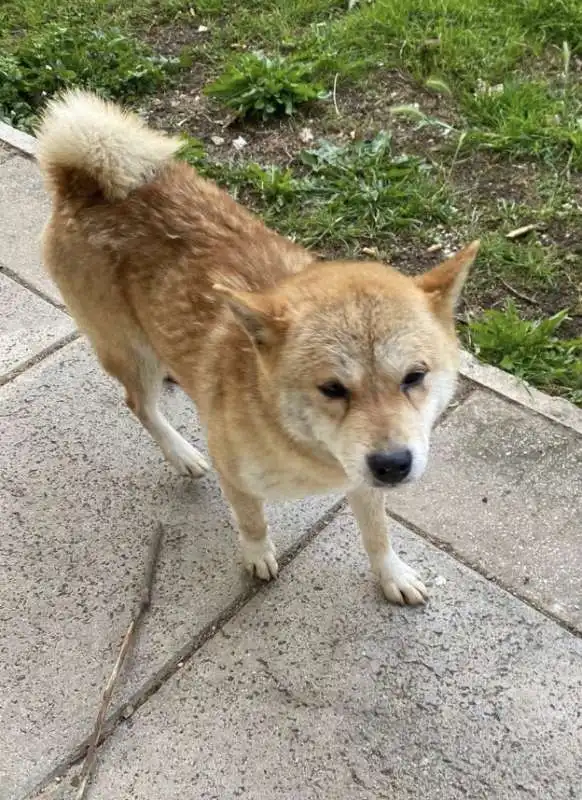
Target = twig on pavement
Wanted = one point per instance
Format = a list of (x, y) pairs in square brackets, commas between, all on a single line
[(126, 645)]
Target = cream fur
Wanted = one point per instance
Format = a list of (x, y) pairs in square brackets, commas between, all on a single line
[(81, 131)]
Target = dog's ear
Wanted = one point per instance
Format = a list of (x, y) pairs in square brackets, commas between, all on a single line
[(443, 284), (263, 316)]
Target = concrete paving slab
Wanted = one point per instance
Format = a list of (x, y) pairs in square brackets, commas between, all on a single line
[(24, 209), (319, 690), (82, 487), (516, 389), (504, 489), (16, 140), (28, 325)]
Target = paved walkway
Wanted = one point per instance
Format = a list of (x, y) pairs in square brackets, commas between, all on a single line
[(311, 687)]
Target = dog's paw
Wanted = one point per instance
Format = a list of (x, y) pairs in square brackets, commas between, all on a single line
[(259, 557), (400, 582), (186, 460)]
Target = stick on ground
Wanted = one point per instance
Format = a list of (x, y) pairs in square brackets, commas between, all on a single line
[(337, 111), (515, 234), (521, 295), (126, 645)]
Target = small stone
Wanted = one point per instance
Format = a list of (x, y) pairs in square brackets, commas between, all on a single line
[(306, 135), (239, 143), (217, 140)]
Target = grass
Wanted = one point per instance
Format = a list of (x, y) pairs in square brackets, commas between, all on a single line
[(342, 197), (463, 44), (529, 118), (46, 47), (527, 263), (531, 350), (432, 121), (106, 60)]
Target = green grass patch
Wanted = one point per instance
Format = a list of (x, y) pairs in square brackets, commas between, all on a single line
[(551, 21), (21, 17), (466, 46), (525, 262), (50, 46), (463, 44), (109, 62), (530, 118), (531, 350), (358, 194)]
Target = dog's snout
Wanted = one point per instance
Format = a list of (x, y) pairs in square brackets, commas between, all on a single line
[(390, 468)]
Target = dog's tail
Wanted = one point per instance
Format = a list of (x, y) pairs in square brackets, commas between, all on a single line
[(87, 146)]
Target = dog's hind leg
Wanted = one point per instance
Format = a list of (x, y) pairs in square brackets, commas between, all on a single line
[(141, 373)]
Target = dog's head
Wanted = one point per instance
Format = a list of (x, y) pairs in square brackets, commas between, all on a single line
[(361, 359)]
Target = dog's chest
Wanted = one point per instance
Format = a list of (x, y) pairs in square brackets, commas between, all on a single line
[(272, 481)]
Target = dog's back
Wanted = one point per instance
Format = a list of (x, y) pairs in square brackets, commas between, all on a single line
[(135, 232), (117, 182)]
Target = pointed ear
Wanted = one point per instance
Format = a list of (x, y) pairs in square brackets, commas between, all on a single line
[(262, 316), (443, 284)]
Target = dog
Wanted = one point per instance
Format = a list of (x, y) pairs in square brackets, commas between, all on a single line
[(309, 376)]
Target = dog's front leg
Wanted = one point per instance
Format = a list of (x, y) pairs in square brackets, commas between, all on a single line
[(257, 548), (399, 581)]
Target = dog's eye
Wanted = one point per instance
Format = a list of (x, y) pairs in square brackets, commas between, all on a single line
[(412, 379), (334, 390)]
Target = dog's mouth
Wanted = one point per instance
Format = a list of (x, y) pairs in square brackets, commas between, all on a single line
[(387, 487), (376, 484)]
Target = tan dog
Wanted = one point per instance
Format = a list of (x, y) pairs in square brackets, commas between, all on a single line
[(308, 376)]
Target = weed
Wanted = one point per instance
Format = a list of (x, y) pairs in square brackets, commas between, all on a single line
[(531, 350), (192, 150), (273, 187), (256, 86), (363, 191)]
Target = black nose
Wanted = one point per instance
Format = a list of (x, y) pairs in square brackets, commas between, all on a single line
[(390, 468)]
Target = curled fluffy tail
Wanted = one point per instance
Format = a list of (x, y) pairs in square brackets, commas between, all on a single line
[(86, 144)]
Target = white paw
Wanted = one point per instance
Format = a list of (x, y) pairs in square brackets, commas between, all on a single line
[(186, 459), (259, 557), (400, 582)]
